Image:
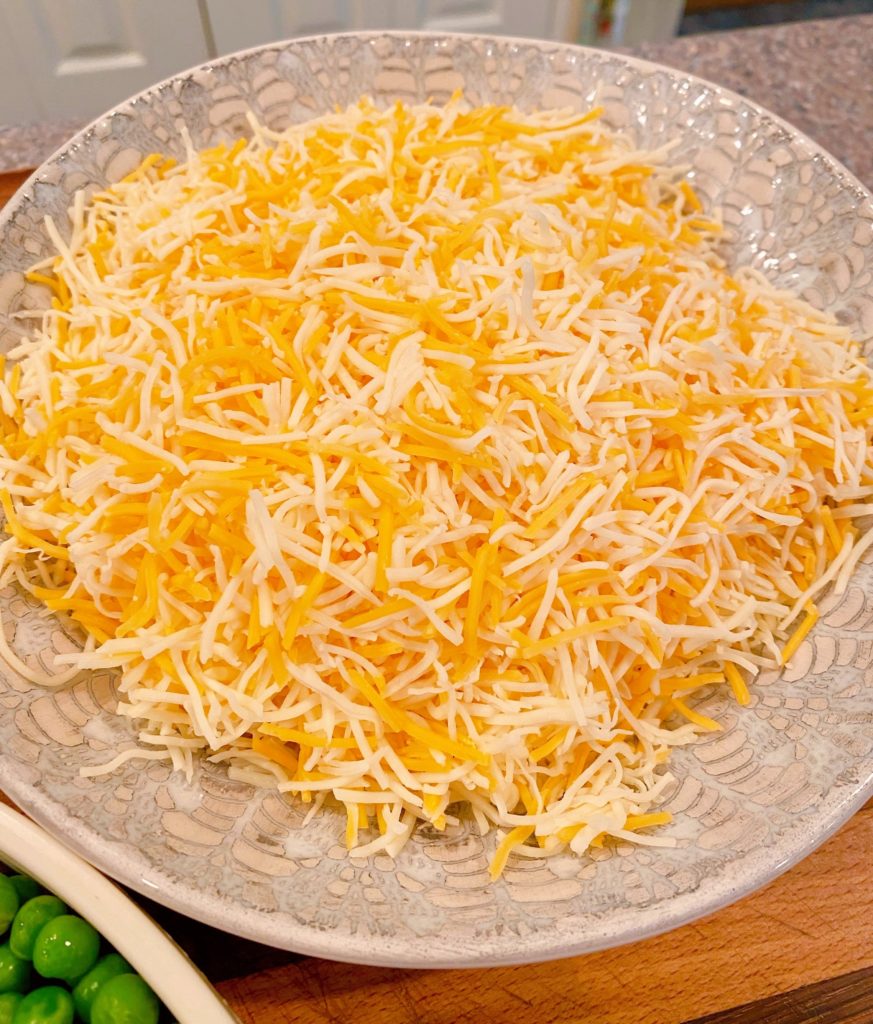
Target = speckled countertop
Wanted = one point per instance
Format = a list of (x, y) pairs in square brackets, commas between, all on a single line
[(816, 74), (27, 145)]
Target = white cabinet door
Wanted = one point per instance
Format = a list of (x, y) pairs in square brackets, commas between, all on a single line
[(77, 58), (535, 18), (237, 24)]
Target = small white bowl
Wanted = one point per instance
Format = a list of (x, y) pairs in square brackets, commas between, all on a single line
[(176, 981)]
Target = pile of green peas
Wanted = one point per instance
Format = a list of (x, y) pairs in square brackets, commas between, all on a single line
[(53, 969)]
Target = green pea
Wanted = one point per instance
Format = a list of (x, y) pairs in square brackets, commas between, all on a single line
[(125, 999), (26, 887), (9, 903), (14, 971), (8, 1005), (50, 1004), (85, 992), (29, 921), (66, 948)]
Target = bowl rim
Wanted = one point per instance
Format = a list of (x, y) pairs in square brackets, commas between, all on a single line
[(635, 924), (861, 191)]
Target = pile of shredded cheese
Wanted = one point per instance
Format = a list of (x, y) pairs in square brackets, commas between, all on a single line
[(427, 456)]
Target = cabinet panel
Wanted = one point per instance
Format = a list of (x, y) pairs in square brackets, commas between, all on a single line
[(16, 102), (77, 58), (238, 25)]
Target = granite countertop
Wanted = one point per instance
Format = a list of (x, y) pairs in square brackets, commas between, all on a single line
[(816, 74)]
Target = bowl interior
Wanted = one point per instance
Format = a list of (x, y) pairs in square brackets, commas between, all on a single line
[(747, 803)]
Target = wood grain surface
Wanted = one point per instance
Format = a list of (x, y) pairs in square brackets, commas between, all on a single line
[(799, 951), (9, 183), (844, 1000)]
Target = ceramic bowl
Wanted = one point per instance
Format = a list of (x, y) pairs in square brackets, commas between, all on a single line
[(26, 847), (747, 802)]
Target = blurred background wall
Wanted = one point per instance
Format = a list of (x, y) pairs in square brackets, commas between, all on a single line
[(73, 59)]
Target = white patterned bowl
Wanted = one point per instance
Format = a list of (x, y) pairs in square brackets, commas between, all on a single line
[(748, 803)]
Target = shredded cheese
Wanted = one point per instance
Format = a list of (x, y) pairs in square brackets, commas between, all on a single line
[(425, 456)]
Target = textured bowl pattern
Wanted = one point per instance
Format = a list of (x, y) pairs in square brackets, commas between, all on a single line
[(748, 802)]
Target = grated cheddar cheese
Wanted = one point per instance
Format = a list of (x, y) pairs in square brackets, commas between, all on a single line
[(423, 457)]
